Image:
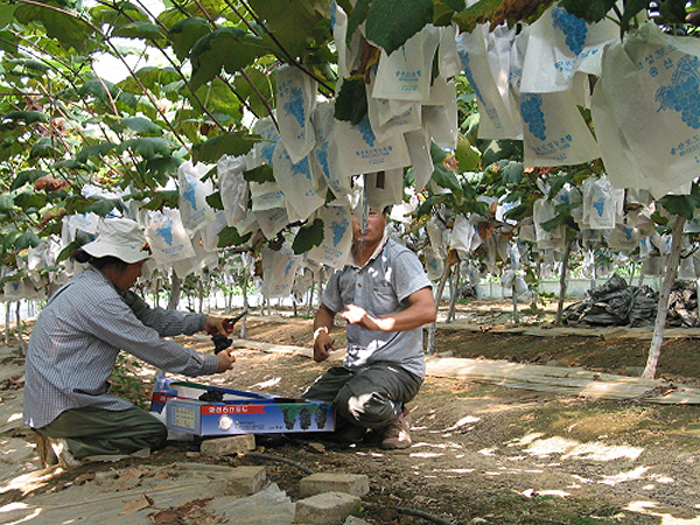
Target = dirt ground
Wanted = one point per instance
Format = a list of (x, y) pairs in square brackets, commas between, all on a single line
[(485, 453)]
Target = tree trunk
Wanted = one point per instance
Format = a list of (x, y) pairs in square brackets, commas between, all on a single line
[(175, 289), (319, 289), (310, 303), (514, 298), (456, 276), (432, 327), (18, 317), (245, 304), (662, 307), (7, 322), (562, 281)]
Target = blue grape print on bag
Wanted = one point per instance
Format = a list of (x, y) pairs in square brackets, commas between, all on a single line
[(295, 106), (339, 228), (574, 28), (531, 111), (683, 95)]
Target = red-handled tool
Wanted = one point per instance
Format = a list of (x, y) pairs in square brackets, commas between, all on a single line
[(221, 342)]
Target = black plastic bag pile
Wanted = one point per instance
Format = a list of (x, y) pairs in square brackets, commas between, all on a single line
[(615, 303), (683, 305)]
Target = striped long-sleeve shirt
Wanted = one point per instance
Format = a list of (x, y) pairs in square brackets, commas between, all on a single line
[(76, 340)]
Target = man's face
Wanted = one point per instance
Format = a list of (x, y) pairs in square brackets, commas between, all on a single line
[(374, 229)]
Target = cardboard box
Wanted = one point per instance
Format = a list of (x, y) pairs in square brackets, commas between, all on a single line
[(238, 412)]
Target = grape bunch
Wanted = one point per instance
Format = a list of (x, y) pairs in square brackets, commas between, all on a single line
[(683, 95), (304, 418), (221, 342), (320, 416), (574, 28), (212, 394), (290, 417), (531, 111)]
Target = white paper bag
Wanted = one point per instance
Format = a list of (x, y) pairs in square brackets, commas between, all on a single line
[(650, 82), (297, 182), (272, 221), (263, 151), (554, 131), (464, 236), (623, 239), (440, 123), (448, 57), (82, 225), (490, 81), (543, 211), (296, 101), (325, 154), (434, 264), (334, 251), (279, 270), (194, 208), (247, 225), (359, 151), (385, 124), (167, 237), (418, 144), (384, 189), (233, 187), (405, 74), (348, 54), (266, 196), (601, 203), (203, 258), (561, 45)]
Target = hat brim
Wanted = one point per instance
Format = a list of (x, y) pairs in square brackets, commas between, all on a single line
[(128, 254)]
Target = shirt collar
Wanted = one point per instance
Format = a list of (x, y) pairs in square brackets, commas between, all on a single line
[(375, 253)]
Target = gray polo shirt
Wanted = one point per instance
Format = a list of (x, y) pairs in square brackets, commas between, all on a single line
[(381, 287)]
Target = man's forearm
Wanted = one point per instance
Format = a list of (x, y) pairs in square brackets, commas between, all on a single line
[(323, 321)]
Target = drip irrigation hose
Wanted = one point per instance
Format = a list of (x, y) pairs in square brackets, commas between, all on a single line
[(303, 468), (308, 471)]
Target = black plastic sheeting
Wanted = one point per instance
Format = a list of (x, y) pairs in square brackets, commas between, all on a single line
[(615, 303)]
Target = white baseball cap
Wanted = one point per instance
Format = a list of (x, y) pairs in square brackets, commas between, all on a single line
[(121, 238)]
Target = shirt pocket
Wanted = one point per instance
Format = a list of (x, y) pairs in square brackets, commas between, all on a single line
[(384, 300)]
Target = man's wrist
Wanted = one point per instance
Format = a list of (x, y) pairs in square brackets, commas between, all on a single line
[(320, 330)]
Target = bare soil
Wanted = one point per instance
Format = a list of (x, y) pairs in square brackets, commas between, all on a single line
[(489, 454)]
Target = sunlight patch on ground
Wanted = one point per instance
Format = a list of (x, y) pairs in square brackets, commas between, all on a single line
[(455, 470), (443, 446), (18, 509), (267, 384), (426, 455), (525, 440), (569, 449), (635, 474), (462, 422), (488, 452), (531, 493), (647, 508)]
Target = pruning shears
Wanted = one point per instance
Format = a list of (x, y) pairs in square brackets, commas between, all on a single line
[(221, 342)]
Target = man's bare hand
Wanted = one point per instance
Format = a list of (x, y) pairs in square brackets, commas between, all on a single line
[(323, 346), (214, 324), (226, 360), (354, 314)]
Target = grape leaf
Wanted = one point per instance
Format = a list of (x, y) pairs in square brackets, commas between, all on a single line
[(390, 23), (308, 236)]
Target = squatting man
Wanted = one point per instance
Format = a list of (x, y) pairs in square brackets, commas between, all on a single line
[(385, 297)]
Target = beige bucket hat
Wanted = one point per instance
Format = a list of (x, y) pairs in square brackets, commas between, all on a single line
[(121, 238)]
